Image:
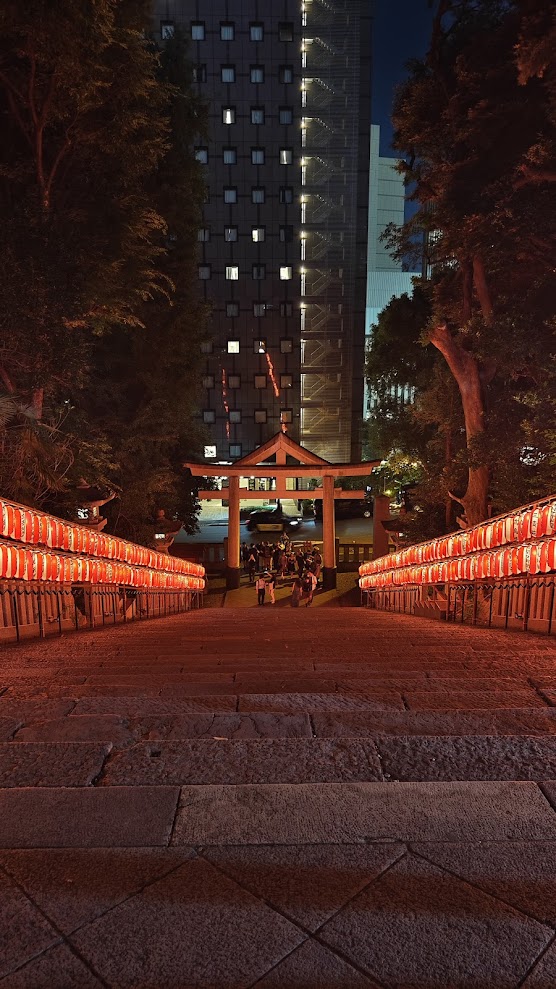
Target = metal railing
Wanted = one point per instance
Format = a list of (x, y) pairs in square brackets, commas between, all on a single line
[(37, 609), (524, 603)]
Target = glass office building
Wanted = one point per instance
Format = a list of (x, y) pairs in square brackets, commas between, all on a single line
[(282, 250)]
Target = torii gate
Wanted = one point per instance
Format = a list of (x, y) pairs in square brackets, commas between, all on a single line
[(255, 465)]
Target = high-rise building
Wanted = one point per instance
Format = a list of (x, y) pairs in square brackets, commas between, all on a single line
[(282, 250), (386, 278)]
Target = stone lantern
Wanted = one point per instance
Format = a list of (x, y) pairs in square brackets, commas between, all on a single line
[(165, 531), (90, 501)]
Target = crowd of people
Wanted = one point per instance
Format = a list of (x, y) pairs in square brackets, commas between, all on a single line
[(266, 563)]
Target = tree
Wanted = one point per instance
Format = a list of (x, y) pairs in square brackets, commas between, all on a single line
[(466, 126)]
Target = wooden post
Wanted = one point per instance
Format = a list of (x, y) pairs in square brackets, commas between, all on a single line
[(233, 570), (328, 534)]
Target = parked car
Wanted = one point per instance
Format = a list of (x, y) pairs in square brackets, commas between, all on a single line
[(271, 520), (347, 508)]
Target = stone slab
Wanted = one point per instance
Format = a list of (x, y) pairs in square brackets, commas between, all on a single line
[(51, 763), (307, 883), (8, 728), (471, 699), (74, 886), (355, 812), (418, 926), (154, 676), (270, 684), (195, 927), (522, 873), (23, 930), (235, 726), (380, 701), (29, 711), (58, 968), (85, 728), (314, 966), (138, 705), (87, 817), (543, 975), (475, 757), (275, 760), (518, 721)]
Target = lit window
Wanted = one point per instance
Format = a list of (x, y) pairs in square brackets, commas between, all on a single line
[(166, 30), (286, 345), (260, 415), (257, 73), (286, 156), (257, 156), (199, 73), (256, 32), (203, 235), (286, 273), (259, 272), (285, 73), (259, 309), (228, 114), (257, 115), (226, 31), (232, 309), (286, 234), (286, 381), (230, 194), (204, 272), (229, 156), (235, 449), (259, 346), (286, 194), (206, 347), (232, 272), (234, 381), (202, 155), (198, 30), (235, 415), (286, 308), (285, 31), (209, 416), (208, 381), (285, 115), (257, 234), (228, 73), (260, 381), (230, 234), (233, 346), (210, 452), (286, 415), (257, 195)]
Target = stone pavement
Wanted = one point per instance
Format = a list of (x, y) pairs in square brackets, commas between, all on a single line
[(325, 798)]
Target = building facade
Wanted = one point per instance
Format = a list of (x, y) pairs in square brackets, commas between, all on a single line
[(282, 251)]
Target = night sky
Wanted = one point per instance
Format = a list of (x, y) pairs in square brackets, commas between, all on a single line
[(401, 30)]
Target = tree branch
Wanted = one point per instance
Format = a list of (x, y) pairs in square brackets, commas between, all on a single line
[(482, 290)]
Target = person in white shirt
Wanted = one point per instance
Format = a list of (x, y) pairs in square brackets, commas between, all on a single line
[(260, 586)]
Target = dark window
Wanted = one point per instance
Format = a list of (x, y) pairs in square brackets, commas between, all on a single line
[(260, 381), (209, 415), (257, 156), (257, 195), (199, 73), (259, 272), (234, 381), (206, 347), (260, 415), (286, 234), (285, 73), (235, 415), (198, 30), (230, 234), (285, 115), (230, 194), (208, 381), (202, 155), (259, 309), (256, 31), (232, 309), (203, 235), (286, 381), (286, 415), (257, 114), (285, 31), (235, 449), (166, 30), (204, 272), (228, 73), (286, 345), (286, 309), (286, 194), (229, 156), (227, 31), (257, 73)]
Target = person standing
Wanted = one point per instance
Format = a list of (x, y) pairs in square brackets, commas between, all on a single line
[(297, 591), (311, 580), (271, 584), (260, 585)]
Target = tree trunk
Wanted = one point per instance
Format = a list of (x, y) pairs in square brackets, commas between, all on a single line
[(465, 370)]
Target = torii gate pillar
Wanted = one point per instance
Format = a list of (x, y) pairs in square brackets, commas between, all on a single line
[(233, 569), (328, 535)]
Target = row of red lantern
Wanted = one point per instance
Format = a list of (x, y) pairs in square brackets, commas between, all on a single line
[(522, 525), (510, 561), (22, 563), (29, 526)]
